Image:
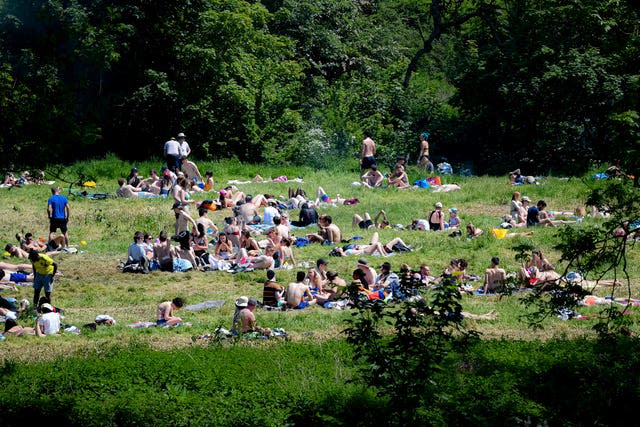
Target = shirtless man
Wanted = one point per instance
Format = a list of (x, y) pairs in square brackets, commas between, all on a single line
[(164, 313), (328, 231), (191, 170), (248, 211), (494, 276), (368, 152), (183, 219), (369, 272), (208, 225), (373, 178), (298, 294)]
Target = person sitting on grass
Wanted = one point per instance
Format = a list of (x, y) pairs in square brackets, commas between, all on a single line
[(494, 276), (272, 292), (398, 178), (245, 321), (436, 218), (329, 232), (454, 221), (308, 215), (373, 178), (48, 323), (165, 312), (298, 294)]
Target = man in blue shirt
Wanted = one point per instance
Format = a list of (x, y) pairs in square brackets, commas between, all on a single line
[(58, 210)]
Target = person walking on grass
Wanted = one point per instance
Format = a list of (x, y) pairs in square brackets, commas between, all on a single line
[(58, 212), (44, 269)]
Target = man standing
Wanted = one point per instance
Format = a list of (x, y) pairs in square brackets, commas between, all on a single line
[(368, 153), (44, 269), (184, 148), (58, 211), (172, 154)]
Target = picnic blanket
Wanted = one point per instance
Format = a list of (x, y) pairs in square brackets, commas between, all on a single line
[(205, 305)]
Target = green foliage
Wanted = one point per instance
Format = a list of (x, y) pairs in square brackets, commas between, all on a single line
[(402, 366), (595, 251)]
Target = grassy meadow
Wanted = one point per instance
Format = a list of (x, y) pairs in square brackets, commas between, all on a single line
[(91, 284), (161, 377)]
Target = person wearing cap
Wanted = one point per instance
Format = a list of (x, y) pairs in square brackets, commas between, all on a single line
[(436, 218), (48, 323), (246, 322), (172, 154), (184, 221), (44, 269), (183, 146), (165, 312), (454, 220), (298, 293), (58, 211)]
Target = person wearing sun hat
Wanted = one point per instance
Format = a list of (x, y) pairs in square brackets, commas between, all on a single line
[(183, 146), (244, 321), (454, 220), (436, 218)]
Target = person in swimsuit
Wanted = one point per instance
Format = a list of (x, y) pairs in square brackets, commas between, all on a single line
[(164, 313), (436, 218)]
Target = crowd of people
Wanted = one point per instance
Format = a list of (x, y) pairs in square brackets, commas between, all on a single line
[(258, 234)]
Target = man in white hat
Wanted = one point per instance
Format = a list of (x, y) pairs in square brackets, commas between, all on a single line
[(184, 149)]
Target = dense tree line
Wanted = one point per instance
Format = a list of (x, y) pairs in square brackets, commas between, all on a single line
[(548, 85)]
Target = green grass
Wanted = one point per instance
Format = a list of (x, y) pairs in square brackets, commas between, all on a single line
[(91, 284)]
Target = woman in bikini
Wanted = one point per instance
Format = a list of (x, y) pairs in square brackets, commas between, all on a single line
[(223, 248), (250, 244), (436, 218)]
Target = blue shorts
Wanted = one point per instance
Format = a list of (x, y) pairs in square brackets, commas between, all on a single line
[(303, 304), (161, 322), (42, 281)]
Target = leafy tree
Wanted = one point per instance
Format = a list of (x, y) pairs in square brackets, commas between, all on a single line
[(596, 252), (404, 344)]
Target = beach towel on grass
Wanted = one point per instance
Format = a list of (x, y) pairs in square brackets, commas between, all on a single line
[(205, 305)]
